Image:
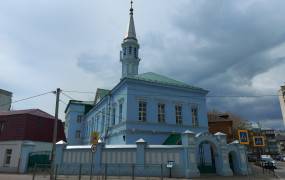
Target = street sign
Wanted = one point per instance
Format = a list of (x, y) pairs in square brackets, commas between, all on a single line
[(170, 164), (243, 136), (93, 148), (258, 141)]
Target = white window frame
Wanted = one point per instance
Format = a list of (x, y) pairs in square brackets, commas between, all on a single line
[(178, 114), (195, 115), (161, 112), (120, 112), (103, 120), (142, 110), (114, 116), (8, 157)]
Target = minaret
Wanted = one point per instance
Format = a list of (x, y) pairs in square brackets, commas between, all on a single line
[(130, 49)]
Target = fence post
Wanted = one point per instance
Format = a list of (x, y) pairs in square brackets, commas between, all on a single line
[(55, 174), (92, 156), (34, 173), (133, 172), (106, 171), (161, 171), (80, 166)]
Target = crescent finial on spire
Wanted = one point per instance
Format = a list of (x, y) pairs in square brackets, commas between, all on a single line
[(131, 10)]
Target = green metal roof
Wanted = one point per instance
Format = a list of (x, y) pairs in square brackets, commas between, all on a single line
[(88, 104), (160, 79), (102, 92), (173, 139)]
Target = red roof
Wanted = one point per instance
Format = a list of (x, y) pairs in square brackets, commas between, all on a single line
[(31, 124), (36, 112)]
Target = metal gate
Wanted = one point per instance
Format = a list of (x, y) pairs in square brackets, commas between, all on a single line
[(203, 166), (41, 157)]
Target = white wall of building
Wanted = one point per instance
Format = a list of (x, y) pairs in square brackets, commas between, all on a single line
[(15, 146), (17, 153)]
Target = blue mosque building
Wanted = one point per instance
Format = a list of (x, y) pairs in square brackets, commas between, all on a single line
[(148, 105), (147, 119)]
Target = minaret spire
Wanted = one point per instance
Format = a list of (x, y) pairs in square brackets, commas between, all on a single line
[(129, 55), (131, 33)]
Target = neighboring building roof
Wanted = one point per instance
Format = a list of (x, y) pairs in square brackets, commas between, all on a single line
[(7, 93), (173, 139), (218, 117), (160, 79), (36, 112), (100, 93), (89, 104), (31, 124)]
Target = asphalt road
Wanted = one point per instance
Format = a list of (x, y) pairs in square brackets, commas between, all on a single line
[(280, 171)]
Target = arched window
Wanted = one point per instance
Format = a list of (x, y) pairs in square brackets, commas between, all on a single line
[(135, 53), (130, 50)]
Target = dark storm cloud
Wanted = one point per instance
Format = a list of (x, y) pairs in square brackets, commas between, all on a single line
[(222, 46)]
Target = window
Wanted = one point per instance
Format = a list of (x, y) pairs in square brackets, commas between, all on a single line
[(93, 124), (130, 50), (142, 111), (8, 155), (178, 114), (97, 121), (103, 120), (161, 112), (120, 112), (135, 53), (77, 134), (114, 116), (195, 122), (79, 118)]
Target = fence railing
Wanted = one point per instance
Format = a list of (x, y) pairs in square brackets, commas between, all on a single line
[(105, 171), (122, 171)]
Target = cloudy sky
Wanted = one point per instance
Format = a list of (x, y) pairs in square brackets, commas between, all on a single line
[(226, 47)]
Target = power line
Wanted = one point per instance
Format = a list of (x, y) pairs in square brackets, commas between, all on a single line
[(24, 99), (68, 96), (63, 102), (80, 92)]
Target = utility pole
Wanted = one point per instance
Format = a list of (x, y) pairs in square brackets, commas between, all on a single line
[(57, 92)]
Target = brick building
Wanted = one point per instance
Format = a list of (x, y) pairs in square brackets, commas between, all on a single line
[(221, 122), (23, 132)]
